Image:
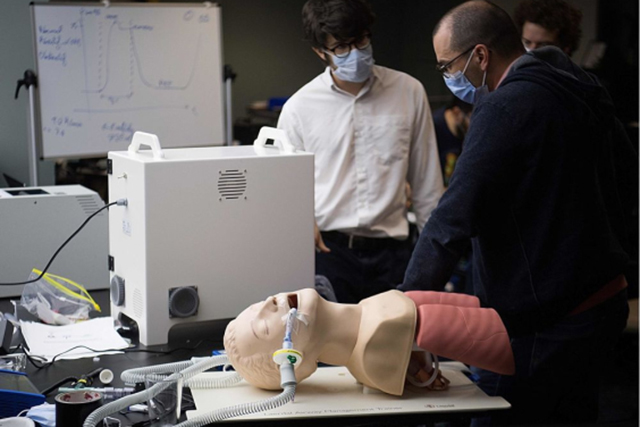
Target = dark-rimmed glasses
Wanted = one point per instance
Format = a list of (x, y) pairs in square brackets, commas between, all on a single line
[(341, 50), (444, 68)]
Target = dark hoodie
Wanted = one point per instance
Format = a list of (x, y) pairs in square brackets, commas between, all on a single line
[(537, 190)]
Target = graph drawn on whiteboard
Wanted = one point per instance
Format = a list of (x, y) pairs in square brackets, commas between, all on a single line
[(106, 72)]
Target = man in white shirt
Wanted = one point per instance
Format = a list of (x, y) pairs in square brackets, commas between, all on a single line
[(371, 131)]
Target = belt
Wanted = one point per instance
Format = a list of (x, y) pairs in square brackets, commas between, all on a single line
[(601, 295), (360, 242)]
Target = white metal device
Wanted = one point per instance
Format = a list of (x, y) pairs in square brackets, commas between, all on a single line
[(207, 231), (35, 221)]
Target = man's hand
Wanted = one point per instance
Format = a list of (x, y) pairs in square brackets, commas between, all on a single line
[(320, 246)]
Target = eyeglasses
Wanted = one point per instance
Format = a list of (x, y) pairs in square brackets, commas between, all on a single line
[(341, 50), (444, 68)]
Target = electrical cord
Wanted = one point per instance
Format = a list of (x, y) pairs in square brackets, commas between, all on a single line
[(119, 202), (85, 379), (39, 362), (57, 384)]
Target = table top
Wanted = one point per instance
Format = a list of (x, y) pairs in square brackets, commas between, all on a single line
[(185, 342)]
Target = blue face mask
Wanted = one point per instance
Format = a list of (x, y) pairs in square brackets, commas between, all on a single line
[(461, 87), (356, 66), (44, 414)]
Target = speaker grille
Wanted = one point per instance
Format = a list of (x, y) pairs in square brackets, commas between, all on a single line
[(183, 301), (138, 305), (232, 184)]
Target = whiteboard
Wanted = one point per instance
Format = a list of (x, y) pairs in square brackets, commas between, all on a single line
[(105, 72)]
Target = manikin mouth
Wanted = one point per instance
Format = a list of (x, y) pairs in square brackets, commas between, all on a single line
[(292, 299)]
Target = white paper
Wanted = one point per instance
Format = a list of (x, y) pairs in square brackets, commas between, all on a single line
[(48, 341)]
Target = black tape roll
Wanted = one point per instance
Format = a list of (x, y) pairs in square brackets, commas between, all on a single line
[(74, 407)]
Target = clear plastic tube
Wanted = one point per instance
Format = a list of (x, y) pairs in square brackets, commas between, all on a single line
[(203, 383), (188, 372), (137, 375), (433, 360), (242, 409)]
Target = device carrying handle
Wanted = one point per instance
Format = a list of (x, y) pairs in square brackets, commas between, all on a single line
[(278, 135), (147, 139)]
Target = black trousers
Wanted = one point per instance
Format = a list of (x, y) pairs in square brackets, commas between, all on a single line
[(361, 267), (558, 370)]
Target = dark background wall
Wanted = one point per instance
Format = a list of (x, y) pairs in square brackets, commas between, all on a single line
[(262, 41)]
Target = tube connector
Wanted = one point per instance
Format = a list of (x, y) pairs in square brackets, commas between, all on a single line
[(122, 202), (286, 356), (287, 375)]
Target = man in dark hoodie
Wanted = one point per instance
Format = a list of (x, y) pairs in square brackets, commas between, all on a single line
[(537, 191)]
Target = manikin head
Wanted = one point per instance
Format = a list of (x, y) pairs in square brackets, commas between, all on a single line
[(251, 339)]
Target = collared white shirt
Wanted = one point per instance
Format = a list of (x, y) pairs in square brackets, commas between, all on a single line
[(366, 147)]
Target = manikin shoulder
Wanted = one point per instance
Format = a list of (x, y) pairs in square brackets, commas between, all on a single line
[(385, 338)]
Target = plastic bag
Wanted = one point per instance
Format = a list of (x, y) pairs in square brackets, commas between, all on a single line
[(57, 300)]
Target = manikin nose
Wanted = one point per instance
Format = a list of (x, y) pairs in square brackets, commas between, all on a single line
[(270, 305)]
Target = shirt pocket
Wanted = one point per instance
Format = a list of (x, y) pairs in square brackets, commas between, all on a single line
[(389, 139)]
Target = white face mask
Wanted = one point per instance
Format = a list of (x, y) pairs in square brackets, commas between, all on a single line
[(356, 66)]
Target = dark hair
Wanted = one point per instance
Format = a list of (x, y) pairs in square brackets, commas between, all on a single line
[(482, 22), (554, 15), (343, 19)]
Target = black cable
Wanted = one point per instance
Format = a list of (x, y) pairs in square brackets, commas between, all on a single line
[(54, 386), (88, 379), (144, 350), (62, 246), (40, 364)]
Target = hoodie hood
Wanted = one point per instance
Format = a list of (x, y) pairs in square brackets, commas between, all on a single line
[(576, 89)]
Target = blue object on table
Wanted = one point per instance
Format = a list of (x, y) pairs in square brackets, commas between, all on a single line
[(275, 104), (218, 353), (17, 393)]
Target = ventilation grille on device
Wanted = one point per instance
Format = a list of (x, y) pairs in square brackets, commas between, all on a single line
[(88, 203), (232, 184), (138, 304)]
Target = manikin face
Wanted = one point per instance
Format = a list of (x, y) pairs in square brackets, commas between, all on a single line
[(260, 329), (534, 36), (264, 321)]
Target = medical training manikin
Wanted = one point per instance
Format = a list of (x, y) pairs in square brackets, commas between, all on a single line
[(383, 341), (373, 339)]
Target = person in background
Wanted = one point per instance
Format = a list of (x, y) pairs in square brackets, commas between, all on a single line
[(557, 23), (537, 191), (549, 23), (451, 123), (371, 131)]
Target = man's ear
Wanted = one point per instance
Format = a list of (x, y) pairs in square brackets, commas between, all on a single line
[(321, 54), (482, 56), (324, 57)]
